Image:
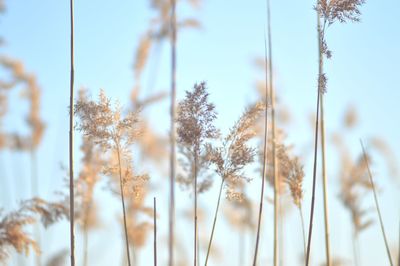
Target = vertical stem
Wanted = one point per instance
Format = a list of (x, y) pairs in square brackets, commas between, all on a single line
[(85, 243), (172, 137), (355, 248), (155, 231), (195, 210), (320, 66), (35, 193), (325, 186), (274, 159), (123, 203), (323, 155), (215, 221), (71, 142), (264, 166), (241, 251), (378, 209), (398, 248), (303, 230), (314, 181)]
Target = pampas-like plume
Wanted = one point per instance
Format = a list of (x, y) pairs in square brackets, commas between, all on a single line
[(293, 175), (107, 128), (232, 157), (12, 225), (195, 128)]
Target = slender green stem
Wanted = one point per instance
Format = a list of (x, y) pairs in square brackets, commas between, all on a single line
[(123, 204), (71, 142), (172, 137), (215, 221), (378, 209)]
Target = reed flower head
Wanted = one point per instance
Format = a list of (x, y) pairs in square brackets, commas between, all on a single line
[(339, 10), (235, 153), (195, 129)]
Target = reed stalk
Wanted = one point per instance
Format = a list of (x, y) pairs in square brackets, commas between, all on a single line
[(214, 221), (123, 204), (172, 137), (155, 229), (265, 161), (195, 209), (323, 158), (71, 141), (378, 209), (273, 124), (315, 157)]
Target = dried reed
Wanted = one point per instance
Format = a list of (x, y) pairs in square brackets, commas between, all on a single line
[(71, 139), (376, 203)]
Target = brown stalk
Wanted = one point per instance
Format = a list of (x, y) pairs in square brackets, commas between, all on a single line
[(377, 204), (172, 136), (71, 141)]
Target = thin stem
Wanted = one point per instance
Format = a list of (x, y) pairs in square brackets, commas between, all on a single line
[(303, 230), (172, 136), (355, 248), (264, 166), (274, 159), (323, 157), (242, 249), (195, 210), (314, 179), (71, 142), (87, 209), (85, 243), (398, 247), (123, 204), (215, 221), (377, 204), (155, 231), (35, 193)]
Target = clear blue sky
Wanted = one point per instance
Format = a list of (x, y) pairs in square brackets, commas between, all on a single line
[(363, 72)]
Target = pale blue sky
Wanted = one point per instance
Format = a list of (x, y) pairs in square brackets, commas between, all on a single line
[(364, 72)]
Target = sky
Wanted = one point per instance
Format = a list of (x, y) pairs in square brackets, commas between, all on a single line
[(363, 73)]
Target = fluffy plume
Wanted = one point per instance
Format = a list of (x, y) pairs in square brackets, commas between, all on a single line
[(231, 158)]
